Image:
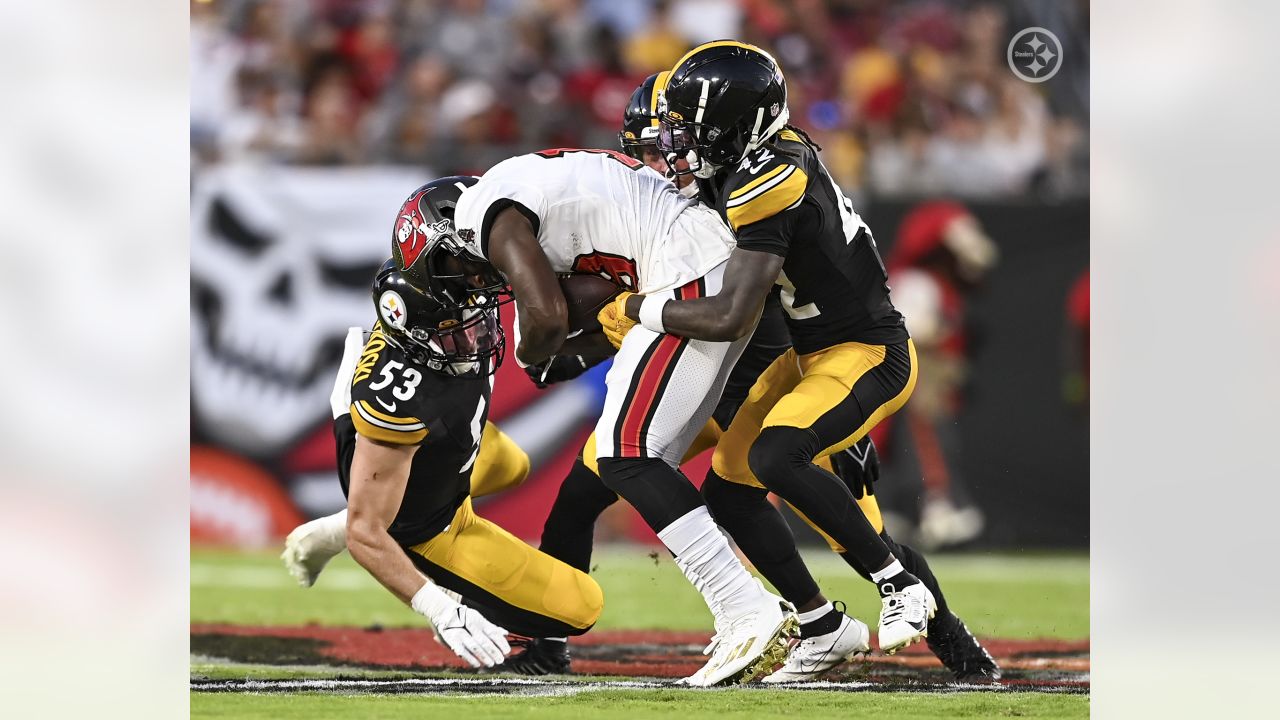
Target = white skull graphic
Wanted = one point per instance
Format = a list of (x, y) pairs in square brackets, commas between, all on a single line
[(281, 264)]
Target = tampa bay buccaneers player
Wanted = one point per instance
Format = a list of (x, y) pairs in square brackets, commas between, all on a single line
[(723, 119), (410, 411), (581, 210)]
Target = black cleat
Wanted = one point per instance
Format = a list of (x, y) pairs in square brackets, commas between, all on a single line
[(960, 651), (539, 657)]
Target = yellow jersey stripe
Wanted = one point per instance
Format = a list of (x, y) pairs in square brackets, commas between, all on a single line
[(381, 434), (376, 416), (790, 135), (772, 201), (764, 188), (659, 84), (758, 181)]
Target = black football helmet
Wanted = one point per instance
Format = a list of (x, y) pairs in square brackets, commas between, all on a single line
[(450, 340), (723, 100), (640, 119), (427, 251)]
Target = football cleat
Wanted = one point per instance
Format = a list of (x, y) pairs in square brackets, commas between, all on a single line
[(818, 654), (961, 652), (904, 615), (312, 545), (750, 643), (539, 657)]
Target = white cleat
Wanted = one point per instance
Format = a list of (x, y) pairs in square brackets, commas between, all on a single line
[(749, 644), (818, 654), (312, 545), (904, 615)]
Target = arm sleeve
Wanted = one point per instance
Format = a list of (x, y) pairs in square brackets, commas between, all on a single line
[(480, 204)]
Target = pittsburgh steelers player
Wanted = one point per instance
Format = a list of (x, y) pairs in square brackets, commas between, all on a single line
[(600, 211), (410, 412), (723, 119), (828, 636), (755, 524)]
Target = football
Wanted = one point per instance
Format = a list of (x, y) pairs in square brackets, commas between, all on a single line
[(586, 295)]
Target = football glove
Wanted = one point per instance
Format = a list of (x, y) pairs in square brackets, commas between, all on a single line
[(462, 629), (558, 368), (858, 467), (614, 321)]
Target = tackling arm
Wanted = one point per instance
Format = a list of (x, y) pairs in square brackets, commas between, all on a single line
[(729, 314), (379, 474), (544, 314)]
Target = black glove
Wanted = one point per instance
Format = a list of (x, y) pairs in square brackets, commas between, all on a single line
[(858, 467), (559, 368)]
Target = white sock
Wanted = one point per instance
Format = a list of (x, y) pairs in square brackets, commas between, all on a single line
[(892, 569), (706, 559), (809, 616)]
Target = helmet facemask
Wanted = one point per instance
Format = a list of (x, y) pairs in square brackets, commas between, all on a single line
[(472, 345)]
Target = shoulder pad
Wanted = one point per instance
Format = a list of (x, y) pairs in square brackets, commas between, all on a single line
[(763, 185), (383, 389)]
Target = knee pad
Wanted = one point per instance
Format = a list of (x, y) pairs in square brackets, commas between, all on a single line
[(778, 452)]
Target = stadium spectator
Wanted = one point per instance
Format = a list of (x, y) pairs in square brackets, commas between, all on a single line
[(909, 99)]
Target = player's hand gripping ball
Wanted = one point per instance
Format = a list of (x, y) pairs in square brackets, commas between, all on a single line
[(614, 321)]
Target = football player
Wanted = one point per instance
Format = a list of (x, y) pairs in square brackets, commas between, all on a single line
[(600, 211), (411, 406), (756, 525), (828, 636), (723, 119)]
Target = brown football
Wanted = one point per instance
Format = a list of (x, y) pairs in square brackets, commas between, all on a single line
[(586, 295)]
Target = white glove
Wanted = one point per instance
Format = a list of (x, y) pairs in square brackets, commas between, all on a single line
[(462, 629)]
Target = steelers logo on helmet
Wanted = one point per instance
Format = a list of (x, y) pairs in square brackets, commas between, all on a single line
[(392, 308)]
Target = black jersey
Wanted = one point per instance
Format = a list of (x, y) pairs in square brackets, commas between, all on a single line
[(395, 400), (781, 200)]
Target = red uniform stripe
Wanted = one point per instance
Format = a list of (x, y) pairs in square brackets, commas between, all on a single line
[(646, 395)]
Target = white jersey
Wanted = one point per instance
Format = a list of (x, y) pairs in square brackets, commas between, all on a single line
[(601, 212)]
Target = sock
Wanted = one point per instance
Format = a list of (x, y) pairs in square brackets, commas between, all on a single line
[(706, 559), (889, 571), (809, 616), (821, 621)]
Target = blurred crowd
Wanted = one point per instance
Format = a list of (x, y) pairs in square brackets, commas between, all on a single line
[(907, 98)]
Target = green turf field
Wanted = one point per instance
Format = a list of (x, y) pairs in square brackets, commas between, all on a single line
[(1021, 596), (1009, 596)]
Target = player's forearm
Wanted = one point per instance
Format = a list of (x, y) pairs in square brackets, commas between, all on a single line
[(541, 335), (378, 553), (719, 318)]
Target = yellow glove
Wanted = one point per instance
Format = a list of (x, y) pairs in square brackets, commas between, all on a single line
[(614, 321)]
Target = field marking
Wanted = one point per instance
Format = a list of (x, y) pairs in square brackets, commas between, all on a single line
[(479, 687)]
